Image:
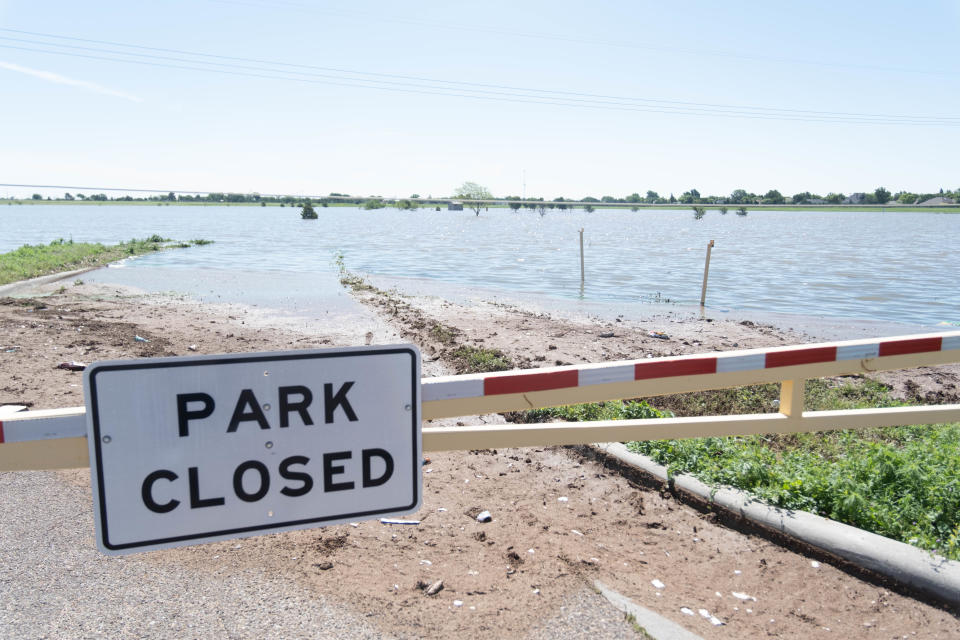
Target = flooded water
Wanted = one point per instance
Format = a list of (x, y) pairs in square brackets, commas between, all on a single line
[(898, 267)]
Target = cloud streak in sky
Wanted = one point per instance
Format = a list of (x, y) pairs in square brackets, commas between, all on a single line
[(59, 79)]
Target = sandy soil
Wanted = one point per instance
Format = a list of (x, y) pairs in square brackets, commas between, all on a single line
[(560, 520)]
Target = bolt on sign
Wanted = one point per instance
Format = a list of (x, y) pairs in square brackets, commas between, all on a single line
[(205, 448)]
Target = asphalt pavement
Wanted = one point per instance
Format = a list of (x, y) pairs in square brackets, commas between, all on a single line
[(55, 584)]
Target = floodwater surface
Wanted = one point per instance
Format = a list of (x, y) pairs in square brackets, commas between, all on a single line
[(897, 267)]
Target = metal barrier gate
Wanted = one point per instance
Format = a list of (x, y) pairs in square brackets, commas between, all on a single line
[(56, 439)]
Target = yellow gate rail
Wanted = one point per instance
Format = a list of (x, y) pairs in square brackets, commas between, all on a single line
[(56, 439)]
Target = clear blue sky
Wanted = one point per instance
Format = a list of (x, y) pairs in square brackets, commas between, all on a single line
[(66, 119)]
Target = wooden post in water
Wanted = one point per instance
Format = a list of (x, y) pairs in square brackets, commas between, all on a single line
[(706, 271), (581, 260)]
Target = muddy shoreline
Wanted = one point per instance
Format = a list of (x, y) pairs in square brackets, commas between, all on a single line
[(519, 573)]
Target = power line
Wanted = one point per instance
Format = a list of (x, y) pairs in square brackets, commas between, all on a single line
[(465, 89), (459, 85), (475, 28)]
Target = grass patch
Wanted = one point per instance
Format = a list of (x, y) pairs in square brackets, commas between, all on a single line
[(639, 630), (591, 411), (30, 261), (852, 392), (899, 482), (479, 360), (442, 333)]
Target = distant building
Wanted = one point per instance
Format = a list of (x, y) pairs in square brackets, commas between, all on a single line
[(855, 198), (936, 202), (455, 206)]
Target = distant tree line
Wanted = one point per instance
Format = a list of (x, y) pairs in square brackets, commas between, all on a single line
[(880, 195), (470, 193), (256, 198)]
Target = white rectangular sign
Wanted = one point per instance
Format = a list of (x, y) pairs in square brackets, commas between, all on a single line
[(204, 448)]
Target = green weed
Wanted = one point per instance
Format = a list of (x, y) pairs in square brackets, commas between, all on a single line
[(443, 333), (899, 482), (31, 261), (592, 411), (478, 360), (637, 628)]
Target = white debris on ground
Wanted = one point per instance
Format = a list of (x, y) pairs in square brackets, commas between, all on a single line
[(714, 620)]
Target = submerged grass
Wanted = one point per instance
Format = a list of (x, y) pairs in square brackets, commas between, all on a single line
[(899, 482), (31, 261)]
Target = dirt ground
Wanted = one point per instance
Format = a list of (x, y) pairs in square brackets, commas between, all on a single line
[(560, 520)]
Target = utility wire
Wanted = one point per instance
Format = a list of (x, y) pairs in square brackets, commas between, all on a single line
[(474, 28), (514, 94), (517, 99)]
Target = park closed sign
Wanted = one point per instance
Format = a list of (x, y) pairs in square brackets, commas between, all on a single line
[(198, 449)]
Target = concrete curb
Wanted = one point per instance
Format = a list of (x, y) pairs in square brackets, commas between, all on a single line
[(655, 625), (13, 287), (921, 570)]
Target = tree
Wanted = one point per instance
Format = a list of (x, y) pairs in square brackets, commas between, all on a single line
[(560, 203), (699, 212), (415, 196), (67, 196), (883, 196), (834, 198), (690, 197), (742, 211), (588, 208), (406, 205), (513, 202), (907, 198), (472, 193), (307, 212), (634, 197), (773, 197), (652, 196), (37, 196), (740, 196), (800, 198), (373, 203)]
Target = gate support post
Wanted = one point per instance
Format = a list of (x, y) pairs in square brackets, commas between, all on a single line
[(791, 398)]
